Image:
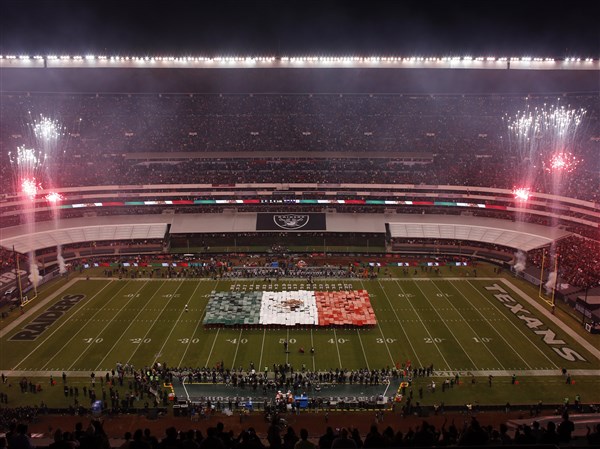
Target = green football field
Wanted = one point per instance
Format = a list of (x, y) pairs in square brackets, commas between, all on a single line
[(469, 325)]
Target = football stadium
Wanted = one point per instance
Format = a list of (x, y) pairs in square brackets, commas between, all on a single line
[(299, 241)]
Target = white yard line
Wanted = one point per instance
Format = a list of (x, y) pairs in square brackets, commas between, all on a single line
[(61, 325), (195, 329), (262, 348), (159, 353), (424, 327), (211, 349), (448, 327), (363, 350), (236, 350), (587, 345), (103, 329), (125, 330), (337, 347), (400, 324), (492, 326), (527, 337), (467, 323), (380, 331), (241, 330)]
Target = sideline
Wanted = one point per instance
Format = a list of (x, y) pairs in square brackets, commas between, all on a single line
[(544, 311), (437, 374)]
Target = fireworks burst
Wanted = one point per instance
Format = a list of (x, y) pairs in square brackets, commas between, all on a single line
[(544, 140), (521, 194), (537, 134), (30, 188), (47, 135), (54, 197), (26, 159), (46, 130), (27, 166), (561, 162)]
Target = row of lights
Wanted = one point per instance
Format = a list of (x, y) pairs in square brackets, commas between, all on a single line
[(301, 59)]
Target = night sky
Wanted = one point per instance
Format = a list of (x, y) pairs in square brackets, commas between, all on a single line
[(289, 27)]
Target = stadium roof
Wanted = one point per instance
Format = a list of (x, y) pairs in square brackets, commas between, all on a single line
[(523, 236), (293, 79)]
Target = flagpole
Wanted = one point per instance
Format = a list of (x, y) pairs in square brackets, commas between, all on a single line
[(18, 276)]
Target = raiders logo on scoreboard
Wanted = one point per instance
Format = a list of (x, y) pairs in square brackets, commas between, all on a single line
[(291, 221)]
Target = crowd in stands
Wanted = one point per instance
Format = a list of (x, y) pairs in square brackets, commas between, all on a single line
[(578, 261), (8, 260), (461, 169), (458, 130), (282, 436)]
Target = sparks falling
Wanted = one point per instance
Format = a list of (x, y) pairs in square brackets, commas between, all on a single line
[(48, 136), (46, 130), (521, 194), (27, 164), (53, 197), (561, 162), (30, 188), (543, 142)]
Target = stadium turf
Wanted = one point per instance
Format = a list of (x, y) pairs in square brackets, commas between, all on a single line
[(457, 324)]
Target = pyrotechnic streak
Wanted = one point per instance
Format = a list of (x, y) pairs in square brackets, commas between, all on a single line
[(46, 135), (46, 129), (27, 168), (537, 134), (521, 193), (26, 160)]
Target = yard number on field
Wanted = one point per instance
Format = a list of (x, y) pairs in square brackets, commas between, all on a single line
[(186, 341), (385, 340), (234, 341), (339, 340), (137, 341), (93, 340), (290, 341), (433, 339), (482, 339)]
